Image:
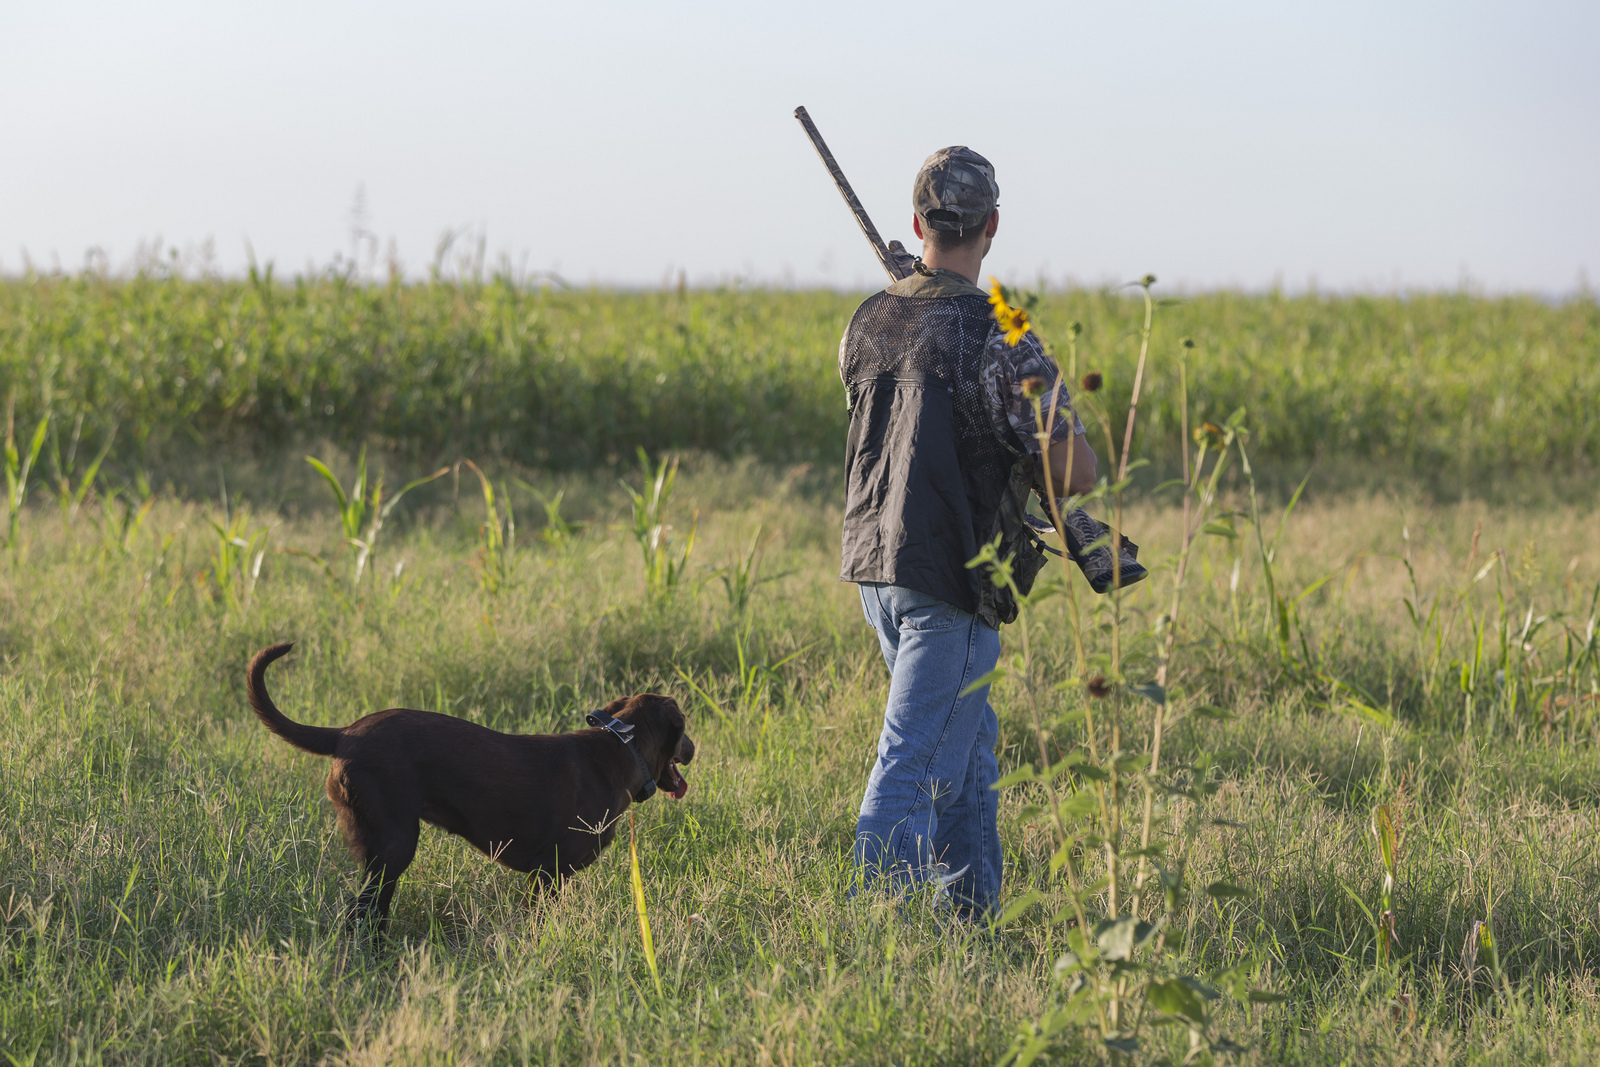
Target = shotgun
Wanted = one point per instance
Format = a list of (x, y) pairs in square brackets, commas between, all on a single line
[(893, 257)]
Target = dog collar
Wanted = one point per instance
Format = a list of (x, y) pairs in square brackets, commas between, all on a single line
[(623, 731)]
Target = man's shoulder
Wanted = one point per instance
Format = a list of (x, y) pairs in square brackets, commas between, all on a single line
[(935, 285), (1020, 358), (917, 295)]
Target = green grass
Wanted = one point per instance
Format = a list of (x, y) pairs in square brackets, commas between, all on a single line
[(1446, 389), (171, 883)]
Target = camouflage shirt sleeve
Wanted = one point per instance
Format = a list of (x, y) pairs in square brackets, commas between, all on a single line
[(1004, 370)]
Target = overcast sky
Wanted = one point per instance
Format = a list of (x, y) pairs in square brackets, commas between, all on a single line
[(1355, 145)]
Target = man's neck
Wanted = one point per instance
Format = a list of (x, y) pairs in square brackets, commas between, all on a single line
[(967, 262)]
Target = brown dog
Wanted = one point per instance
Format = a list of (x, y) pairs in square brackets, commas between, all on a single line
[(543, 804)]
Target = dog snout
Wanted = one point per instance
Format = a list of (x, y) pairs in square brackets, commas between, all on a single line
[(685, 749)]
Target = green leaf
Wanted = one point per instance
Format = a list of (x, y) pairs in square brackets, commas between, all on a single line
[(338, 490), (424, 480), (1099, 542), (1122, 1044), (38, 441), (1383, 829), (1060, 857), (1079, 804), (1368, 712), (1117, 940), (1220, 529), (1272, 550), (1133, 763), (1226, 890), (1318, 584), (988, 679), (1174, 997), (1151, 692), (1211, 711), (1017, 907), (1261, 996), (1024, 773)]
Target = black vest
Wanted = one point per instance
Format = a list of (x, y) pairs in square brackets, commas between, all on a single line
[(929, 475)]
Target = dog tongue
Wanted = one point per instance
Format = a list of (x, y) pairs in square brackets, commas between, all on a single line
[(677, 785)]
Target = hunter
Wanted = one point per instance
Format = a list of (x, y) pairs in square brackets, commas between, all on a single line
[(941, 457)]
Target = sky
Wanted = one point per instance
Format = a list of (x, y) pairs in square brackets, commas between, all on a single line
[(1356, 146)]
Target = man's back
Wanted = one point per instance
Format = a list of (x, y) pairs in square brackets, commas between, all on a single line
[(926, 465)]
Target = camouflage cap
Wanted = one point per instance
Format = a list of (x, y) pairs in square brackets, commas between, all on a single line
[(955, 189)]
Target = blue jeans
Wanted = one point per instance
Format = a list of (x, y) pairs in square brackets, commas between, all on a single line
[(929, 811)]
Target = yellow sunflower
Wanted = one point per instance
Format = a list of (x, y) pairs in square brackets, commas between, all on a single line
[(1013, 320)]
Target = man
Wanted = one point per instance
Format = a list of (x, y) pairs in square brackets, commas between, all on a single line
[(941, 457)]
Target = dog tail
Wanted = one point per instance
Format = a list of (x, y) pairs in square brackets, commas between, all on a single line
[(319, 740)]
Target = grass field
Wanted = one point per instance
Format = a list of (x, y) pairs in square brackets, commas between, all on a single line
[(170, 876)]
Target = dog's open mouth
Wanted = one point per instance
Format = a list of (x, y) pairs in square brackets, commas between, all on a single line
[(672, 783)]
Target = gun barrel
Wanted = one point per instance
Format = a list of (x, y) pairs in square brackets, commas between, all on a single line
[(849, 194)]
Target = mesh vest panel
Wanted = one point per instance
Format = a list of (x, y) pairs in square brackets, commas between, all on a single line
[(927, 470)]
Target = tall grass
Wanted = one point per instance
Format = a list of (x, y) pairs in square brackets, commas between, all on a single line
[(1450, 387)]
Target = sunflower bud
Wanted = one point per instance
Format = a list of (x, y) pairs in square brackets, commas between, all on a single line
[(1033, 386), (1148, 280), (1099, 688), (1187, 342), (1093, 381)]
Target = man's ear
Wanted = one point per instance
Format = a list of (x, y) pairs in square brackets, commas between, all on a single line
[(994, 223), (916, 228)]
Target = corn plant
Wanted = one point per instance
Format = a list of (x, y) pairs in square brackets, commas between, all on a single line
[(19, 465), (359, 505), (1387, 837), (742, 577), (496, 561), (70, 496), (118, 531), (1112, 807), (664, 566), (558, 532), (236, 557), (1482, 952)]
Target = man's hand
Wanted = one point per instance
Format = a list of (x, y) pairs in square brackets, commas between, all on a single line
[(903, 262)]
